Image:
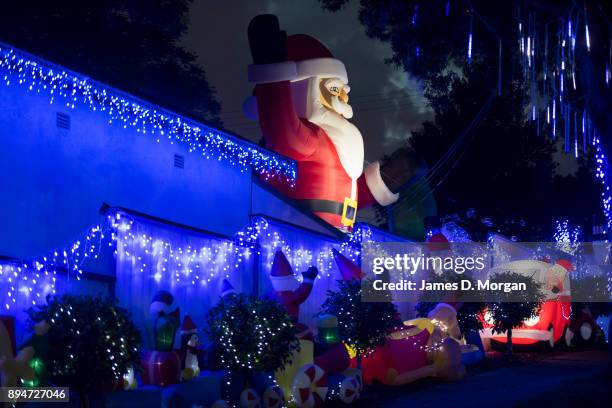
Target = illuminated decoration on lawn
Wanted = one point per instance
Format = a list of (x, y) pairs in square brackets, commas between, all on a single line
[(28, 282), (38, 76)]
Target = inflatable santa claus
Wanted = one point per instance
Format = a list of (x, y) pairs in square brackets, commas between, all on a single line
[(301, 102)]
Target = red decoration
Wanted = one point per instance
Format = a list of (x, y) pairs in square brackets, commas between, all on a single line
[(7, 348), (288, 291), (9, 324), (249, 399), (334, 360), (161, 368), (552, 323), (348, 269), (273, 397), (296, 123), (349, 390), (404, 351), (310, 387)]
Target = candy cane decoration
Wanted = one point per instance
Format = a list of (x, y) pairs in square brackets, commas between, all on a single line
[(310, 386)]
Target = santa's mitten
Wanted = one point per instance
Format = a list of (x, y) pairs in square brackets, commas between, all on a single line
[(402, 166), (267, 41), (310, 275)]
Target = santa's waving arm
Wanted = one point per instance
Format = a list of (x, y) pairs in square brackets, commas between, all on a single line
[(381, 182), (271, 72)]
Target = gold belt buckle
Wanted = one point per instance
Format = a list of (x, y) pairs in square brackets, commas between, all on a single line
[(349, 212)]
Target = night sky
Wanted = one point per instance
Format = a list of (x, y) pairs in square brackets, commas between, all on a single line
[(386, 101)]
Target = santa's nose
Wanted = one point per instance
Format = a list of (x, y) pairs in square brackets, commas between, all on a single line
[(344, 95)]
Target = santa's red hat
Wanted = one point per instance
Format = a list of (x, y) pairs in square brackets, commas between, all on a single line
[(565, 264), (438, 242), (348, 269), (188, 326), (281, 274), (306, 57)]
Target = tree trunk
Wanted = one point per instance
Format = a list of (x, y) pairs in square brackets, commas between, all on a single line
[(358, 358), (509, 342)]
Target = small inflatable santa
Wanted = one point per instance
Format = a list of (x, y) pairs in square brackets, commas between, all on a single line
[(287, 289), (301, 102)]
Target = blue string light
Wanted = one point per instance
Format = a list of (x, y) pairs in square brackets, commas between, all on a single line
[(567, 238), (602, 173), (40, 76), (168, 262)]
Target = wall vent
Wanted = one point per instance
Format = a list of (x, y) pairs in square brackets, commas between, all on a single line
[(179, 161), (62, 121)]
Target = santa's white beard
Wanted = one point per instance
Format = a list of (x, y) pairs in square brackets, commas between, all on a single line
[(341, 107), (344, 135)]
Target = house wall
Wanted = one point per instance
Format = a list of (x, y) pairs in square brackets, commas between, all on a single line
[(54, 181)]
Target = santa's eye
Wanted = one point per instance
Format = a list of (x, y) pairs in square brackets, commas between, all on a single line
[(334, 89)]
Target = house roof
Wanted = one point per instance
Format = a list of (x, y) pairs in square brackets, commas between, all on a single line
[(33, 74)]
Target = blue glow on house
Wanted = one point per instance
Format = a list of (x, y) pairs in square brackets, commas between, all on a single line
[(105, 193)]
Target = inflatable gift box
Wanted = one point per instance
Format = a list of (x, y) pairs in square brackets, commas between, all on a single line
[(161, 368)]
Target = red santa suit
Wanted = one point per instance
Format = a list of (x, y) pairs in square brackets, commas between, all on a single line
[(328, 149), (287, 290)]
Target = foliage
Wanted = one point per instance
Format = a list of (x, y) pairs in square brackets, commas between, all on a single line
[(132, 45), (363, 325), (590, 287), (423, 308), (92, 341), (511, 167), (468, 309), (512, 308), (251, 333)]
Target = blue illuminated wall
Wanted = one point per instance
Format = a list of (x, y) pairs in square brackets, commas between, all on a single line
[(68, 145), (53, 180)]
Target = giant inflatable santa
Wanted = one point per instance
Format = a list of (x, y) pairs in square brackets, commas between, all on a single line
[(301, 102)]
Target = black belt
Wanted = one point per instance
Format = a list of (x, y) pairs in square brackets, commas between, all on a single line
[(327, 206)]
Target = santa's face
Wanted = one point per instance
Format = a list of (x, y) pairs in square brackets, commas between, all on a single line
[(334, 96)]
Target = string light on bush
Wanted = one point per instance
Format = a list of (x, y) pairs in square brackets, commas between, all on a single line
[(73, 89)]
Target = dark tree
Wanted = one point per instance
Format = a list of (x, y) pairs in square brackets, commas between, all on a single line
[(510, 310), (92, 342), (129, 44), (504, 163), (363, 325)]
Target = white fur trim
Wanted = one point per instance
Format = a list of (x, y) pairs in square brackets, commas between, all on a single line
[(277, 72), (322, 68), (157, 307), (284, 283), (377, 186)]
